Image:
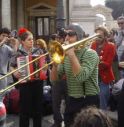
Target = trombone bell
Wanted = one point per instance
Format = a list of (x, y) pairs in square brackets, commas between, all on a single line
[(57, 51)]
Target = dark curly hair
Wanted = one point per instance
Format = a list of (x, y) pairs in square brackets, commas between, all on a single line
[(92, 117), (5, 30)]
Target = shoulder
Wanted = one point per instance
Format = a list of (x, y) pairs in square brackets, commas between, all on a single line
[(93, 45), (111, 45), (91, 56), (7, 48), (91, 52), (37, 51)]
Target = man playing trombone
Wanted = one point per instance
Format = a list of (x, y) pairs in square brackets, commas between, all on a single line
[(81, 69)]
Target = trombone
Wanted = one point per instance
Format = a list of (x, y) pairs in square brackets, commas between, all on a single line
[(57, 53), (23, 66)]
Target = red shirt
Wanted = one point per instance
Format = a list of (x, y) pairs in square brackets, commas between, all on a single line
[(106, 55)]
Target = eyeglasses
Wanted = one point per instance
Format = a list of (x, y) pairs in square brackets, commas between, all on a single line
[(71, 33), (120, 23)]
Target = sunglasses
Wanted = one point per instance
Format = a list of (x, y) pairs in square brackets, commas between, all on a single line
[(71, 33), (120, 23)]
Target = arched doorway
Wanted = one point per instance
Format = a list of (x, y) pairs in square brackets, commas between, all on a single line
[(42, 20)]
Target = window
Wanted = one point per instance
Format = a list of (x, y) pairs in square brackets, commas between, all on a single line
[(42, 26)]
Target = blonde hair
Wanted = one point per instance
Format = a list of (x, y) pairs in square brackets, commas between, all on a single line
[(41, 43)]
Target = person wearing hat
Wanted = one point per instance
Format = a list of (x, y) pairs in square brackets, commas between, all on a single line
[(81, 69), (30, 90)]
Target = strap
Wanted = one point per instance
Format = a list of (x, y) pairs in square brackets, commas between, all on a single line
[(22, 52), (35, 50)]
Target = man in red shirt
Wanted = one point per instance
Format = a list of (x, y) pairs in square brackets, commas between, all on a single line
[(106, 51)]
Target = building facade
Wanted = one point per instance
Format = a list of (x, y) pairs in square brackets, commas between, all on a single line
[(44, 17)]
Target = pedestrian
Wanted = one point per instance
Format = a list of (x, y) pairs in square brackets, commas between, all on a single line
[(119, 41), (106, 51), (120, 108), (81, 69), (30, 91), (6, 53), (59, 90), (119, 38)]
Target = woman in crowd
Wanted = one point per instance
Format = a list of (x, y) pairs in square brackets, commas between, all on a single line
[(30, 90)]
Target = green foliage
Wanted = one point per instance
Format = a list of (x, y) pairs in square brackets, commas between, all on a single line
[(117, 7)]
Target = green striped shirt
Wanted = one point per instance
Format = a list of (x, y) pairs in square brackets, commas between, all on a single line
[(86, 82)]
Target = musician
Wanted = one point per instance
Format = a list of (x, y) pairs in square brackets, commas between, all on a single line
[(6, 53), (106, 51), (31, 90), (81, 69)]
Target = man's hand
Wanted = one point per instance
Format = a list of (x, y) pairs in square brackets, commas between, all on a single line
[(70, 52), (14, 43), (4, 41), (17, 74)]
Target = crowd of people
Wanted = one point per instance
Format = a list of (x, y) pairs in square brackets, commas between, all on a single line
[(82, 82)]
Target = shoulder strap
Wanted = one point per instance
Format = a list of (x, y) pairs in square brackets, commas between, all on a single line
[(22, 52), (35, 50)]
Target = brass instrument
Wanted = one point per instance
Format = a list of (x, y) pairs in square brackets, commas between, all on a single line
[(57, 52), (23, 66)]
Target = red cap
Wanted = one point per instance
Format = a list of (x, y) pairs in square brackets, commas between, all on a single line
[(22, 30)]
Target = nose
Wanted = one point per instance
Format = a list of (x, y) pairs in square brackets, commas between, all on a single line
[(32, 41)]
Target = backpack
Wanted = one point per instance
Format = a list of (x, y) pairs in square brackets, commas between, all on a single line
[(11, 101), (117, 87)]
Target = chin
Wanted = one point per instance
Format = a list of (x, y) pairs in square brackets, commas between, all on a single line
[(30, 46)]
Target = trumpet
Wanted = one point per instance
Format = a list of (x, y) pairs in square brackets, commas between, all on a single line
[(57, 53)]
